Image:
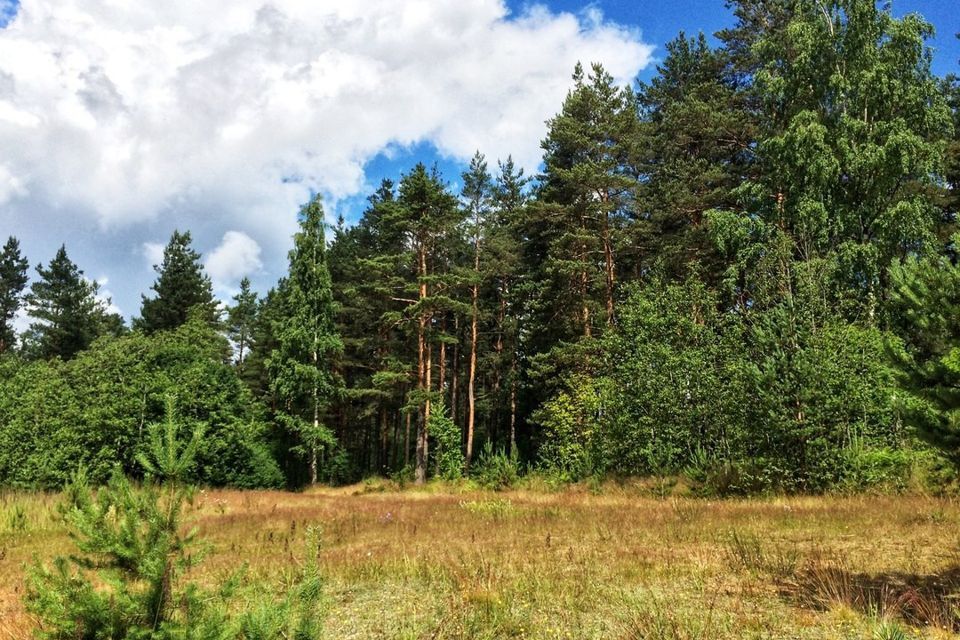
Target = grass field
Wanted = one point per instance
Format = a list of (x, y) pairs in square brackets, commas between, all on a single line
[(571, 564)]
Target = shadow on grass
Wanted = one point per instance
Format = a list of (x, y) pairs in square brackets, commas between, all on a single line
[(917, 599)]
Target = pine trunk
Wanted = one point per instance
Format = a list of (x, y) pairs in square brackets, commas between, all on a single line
[(609, 264), (424, 366)]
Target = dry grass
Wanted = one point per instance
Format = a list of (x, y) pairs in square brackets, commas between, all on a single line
[(434, 564)]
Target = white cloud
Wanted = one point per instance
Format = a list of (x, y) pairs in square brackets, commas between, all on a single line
[(153, 252), (238, 255), (10, 186), (126, 111), (105, 296)]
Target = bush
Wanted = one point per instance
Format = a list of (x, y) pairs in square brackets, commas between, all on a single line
[(496, 470), (93, 411), (446, 435)]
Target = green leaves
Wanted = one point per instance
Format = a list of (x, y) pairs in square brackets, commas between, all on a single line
[(96, 410)]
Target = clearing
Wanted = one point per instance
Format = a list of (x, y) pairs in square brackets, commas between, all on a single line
[(569, 564)]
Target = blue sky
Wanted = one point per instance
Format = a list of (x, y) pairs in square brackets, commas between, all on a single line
[(119, 126), (659, 22)]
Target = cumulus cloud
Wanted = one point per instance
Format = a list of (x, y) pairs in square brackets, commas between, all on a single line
[(230, 115), (105, 296), (128, 110), (238, 255), (153, 252), (10, 185)]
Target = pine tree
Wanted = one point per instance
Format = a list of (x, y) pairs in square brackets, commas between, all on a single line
[(926, 304), (509, 276), (181, 286), (241, 319), (133, 539), (129, 577), (308, 345), (478, 200), (426, 216), (694, 146), (582, 202), (376, 362), (13, 280), (66, 312)]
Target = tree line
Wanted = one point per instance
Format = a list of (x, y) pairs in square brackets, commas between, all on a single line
[(743, 271)]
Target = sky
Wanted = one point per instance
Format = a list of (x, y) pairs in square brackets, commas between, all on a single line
[(121, 121)]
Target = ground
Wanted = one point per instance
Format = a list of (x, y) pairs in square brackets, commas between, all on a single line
[(617, 563)]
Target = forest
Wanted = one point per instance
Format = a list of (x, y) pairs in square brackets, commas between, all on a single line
[(742, 273)]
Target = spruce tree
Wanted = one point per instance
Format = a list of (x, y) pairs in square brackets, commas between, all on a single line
[(66, 312), (181, 286), (13, 280), (308, 345)]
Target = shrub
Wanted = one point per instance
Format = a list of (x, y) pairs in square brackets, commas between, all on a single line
[(446, 434), (495, 469)]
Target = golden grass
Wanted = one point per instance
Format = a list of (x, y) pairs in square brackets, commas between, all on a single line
[(568, 564)]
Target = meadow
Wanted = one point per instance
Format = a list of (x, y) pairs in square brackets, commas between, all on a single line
[(610, 563)]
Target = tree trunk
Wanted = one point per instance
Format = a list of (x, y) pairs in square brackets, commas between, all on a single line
[(315, 357), (384, 440), (316, 428), (455, 375), (442, 374), (609, 265), (424, 366), (513, 406), (472, 376), (406, 441)]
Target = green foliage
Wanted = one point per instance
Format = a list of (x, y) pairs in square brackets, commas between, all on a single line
[(496, 470), (181, 288), (926, 300), (446, 436), (241, 322), (681, 388), (131, 540), (67, 315), (128, 580), (94, 410), (302, 365), (13, 279), (572, 429)]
